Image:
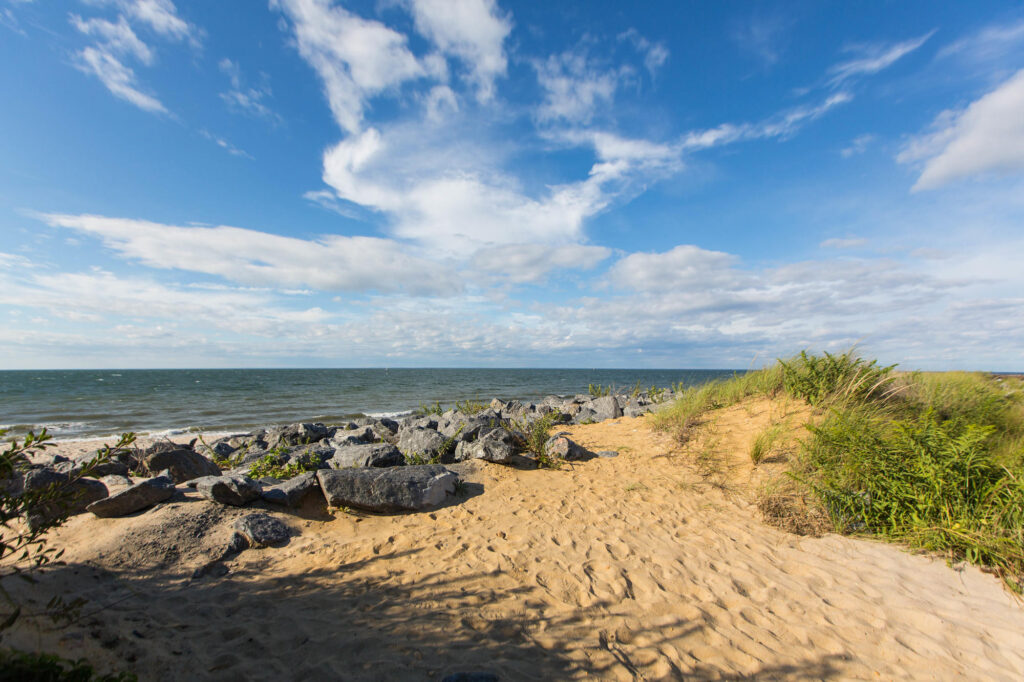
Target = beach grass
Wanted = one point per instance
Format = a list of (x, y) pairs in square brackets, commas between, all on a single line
[(932, 460)]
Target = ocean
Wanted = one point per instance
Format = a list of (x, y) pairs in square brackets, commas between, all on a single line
[(94, 403)]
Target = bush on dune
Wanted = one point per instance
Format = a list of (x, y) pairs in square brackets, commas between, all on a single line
[(934, 460)]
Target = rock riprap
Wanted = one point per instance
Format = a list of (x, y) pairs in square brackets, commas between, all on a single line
[(396, 489), (237, 491), (135, 498)]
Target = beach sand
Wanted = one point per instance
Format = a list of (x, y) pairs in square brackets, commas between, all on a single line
[(628, 568)]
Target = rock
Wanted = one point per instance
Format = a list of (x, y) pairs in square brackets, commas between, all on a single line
[(606, 407), (234, 490), (75, 467), (116, 481), (135, 498), (296, 434), (471, 677), (463, 427), (584, 415), (419, 421), (220, 448), (293, 492), (560, 446), (357, 436), (262, 529), (71, 495), (607, 454), (419, 441), (375, 455), (183, 463), (495, 445), (408, 488)]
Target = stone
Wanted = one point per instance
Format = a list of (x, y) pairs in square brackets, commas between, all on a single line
[(495, 445), (115, 481), (71, 495), (262, 529), (237, 491), (296, 434), (182, 463), (293, 492), (374, 455), (585, 415), (395, 489), (606, 407), (561, 446), (466, 428), (357, 436), (77, 466), (419, 441), (470, 677), (607, 454), (134, 498)]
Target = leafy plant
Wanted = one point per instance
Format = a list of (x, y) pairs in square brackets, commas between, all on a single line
[(470, 406), (531, 436), (23, 547), (427, 409), (834, 377), (276, 464)]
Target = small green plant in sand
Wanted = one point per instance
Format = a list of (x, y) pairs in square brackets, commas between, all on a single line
[(531, 436), (932, 460), (766, 442)]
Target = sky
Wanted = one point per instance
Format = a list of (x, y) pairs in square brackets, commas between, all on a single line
[(317, 183)]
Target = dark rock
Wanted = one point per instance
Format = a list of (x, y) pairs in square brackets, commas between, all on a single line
[(471, 677), (296, 434), (135, 498), (375, 455), (419, 441), (115, 481), (293, 492), (262, 529), (184, 464), (561, 447), (220, 448), (395, 489), (584, 415), (495, 445), (463, 427), (357, 436), (234, 490), (607, 454), (162, 446), (606, 407), (70, 495), (77, 466)]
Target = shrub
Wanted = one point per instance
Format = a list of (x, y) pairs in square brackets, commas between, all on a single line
[(276, 464), (834, 377), (19, 666), (470, 406), (427, 409), (599, 391), (531, 436)]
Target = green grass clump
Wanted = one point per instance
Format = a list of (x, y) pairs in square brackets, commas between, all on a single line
[(469, 406), (274, 465), (599, 391), (428, 409), (766, 442), (933, 460)]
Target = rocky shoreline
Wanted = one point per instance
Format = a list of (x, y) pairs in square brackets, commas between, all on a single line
[(371, 464)]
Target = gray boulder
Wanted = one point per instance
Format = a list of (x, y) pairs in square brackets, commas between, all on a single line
[(291, 493), (560, 446), (495, 445), (419, 441), (77, 466), (183, 463), (134, 498), (296, 434), (585, 415), (262, 529), (375, 455), (356, 436), (237, 491), (396, 489), (606, 407), (463, 427), (70, 495)]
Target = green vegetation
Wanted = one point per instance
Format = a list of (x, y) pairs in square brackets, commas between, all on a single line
[(420, 458), (277, 464), (426, 409), (599, 391), (39, 667), (933, 460), (469, 406), (766, 442), (532, 435)]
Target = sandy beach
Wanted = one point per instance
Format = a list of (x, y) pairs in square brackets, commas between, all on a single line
[(634, 567)]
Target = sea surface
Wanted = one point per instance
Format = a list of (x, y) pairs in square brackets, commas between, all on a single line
[(93, 403)]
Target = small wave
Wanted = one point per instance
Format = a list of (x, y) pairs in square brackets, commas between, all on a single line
[(389, 415)]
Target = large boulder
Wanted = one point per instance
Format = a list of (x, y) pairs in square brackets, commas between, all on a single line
[(69, 495), (463, 427), (135, 498), (356, 436), (375, 455), (291, 493), (237, 491), (426, 443), (296, 434), (262, 529), (396, 489), (560, 446), (495, 445), (75, 467), (183, 463), (606, 407)]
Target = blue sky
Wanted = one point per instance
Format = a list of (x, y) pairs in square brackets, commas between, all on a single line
[(483, 183)]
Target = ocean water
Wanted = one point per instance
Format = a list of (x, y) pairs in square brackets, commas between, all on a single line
[(93, 403)]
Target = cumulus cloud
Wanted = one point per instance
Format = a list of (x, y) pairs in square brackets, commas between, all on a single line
[(522, 263), (873, 58), (473, 31), (355, 58), (986, 137)]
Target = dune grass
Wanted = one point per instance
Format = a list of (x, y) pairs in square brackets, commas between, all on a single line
[(933, 460)]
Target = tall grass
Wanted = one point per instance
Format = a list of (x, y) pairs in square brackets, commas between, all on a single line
[(934, 460)]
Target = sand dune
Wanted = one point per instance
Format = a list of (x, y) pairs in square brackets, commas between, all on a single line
[(625, 568)]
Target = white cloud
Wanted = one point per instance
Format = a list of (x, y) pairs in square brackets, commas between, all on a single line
[(119, 79), (473, 31), (247, 100), (521, 263), (990, 44), (685, 267), (655, 54), (330, 263), (874, 58), (355, 58), (159, 15), (843, 243), (987, 136), (574, 89), (225, 145), (858, 145), (118, 38)]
